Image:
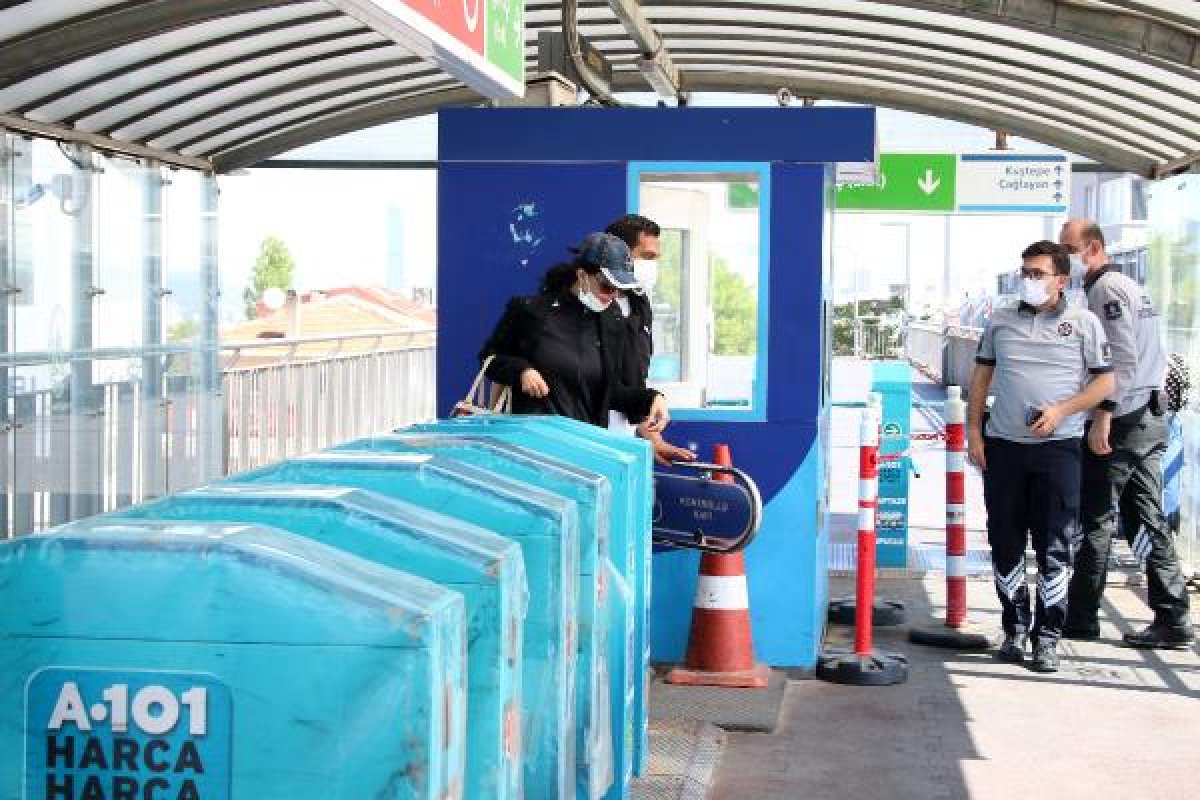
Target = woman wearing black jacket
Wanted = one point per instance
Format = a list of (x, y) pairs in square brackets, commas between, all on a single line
[(563, 355)]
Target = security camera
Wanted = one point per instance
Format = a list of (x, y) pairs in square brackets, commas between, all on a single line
[(784, 97)]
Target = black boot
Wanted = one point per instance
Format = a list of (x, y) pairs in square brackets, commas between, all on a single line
[(1045, 657), (1159, 636), (1013, 649)]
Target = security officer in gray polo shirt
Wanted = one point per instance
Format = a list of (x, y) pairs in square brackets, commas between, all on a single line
[(1122, 463), (1046, 363)]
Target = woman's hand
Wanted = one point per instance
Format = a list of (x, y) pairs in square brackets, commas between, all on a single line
[(533, 384), (658, 417)]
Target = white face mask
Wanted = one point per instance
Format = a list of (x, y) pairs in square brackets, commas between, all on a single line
[(1078, 268), (646, 272), (623, 304), (1034, 291), (590, 301)]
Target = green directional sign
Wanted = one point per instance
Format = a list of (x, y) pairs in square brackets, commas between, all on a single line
[(907, 182)]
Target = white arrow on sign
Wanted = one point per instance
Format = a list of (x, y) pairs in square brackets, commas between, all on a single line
[(929, 184)]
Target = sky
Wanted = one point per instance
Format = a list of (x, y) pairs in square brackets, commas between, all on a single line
[(379, 227)]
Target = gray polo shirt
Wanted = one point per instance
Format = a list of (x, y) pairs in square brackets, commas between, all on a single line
[(1041, 358), (1134, 331)]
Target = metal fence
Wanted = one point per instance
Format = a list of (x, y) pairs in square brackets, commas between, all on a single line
[(118, 427), (285, 398), (946, 354)]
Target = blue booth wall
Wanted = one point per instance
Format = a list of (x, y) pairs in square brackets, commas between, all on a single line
[(506, 215)]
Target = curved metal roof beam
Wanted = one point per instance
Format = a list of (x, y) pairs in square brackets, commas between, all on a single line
[(1148, 33), (155, 115), (1004, 104), (969, 50), (1045, 55), (888, 95), (73, 39), (1117, 111), (242, 54), (177, 52), (336, 124), (1160, 40), (316, 90), (227, 135), (914, 25)]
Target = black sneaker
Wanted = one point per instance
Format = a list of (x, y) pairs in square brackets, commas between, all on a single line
[(1013, 649), (1045, 657), (1081, 633), (1162, 637)]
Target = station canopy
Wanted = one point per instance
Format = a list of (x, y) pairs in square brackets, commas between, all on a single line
[(223, 84)]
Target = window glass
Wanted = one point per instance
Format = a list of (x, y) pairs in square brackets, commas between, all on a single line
[(707, 300)]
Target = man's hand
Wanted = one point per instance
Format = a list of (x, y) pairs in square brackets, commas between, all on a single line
[(533, 384), (1048, 422), (975, 450), (658, 417), (1099, 433)]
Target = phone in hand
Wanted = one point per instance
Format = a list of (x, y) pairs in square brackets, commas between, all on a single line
[(1032, 415)]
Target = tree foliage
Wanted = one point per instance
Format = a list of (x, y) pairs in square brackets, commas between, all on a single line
[(274, 267), (735, 312)]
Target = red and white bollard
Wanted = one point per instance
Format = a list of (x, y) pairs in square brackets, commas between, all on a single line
[(955, 633), (956, 509), (863, 666)]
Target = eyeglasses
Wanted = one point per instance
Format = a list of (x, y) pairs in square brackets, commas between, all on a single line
[(1035, 274)]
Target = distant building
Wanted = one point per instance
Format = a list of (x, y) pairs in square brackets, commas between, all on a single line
[(341, 312)]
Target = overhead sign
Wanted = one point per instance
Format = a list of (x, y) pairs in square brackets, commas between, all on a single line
[(947, 183), (1009, 183), (480, 42), (906, 182)]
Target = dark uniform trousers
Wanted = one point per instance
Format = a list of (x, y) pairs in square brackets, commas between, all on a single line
[(1032, 491), (1127, 482)]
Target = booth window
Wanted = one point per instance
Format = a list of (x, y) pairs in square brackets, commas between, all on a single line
[(710, 296)]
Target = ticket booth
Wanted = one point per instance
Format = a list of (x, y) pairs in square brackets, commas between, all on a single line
[(741, 300)]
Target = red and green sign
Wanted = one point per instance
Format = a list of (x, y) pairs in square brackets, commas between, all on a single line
[(480, 42)]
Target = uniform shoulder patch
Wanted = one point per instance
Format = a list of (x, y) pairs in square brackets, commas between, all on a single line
[(1065, 329), (1112, 310)]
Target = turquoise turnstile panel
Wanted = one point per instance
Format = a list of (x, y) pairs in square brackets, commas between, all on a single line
[(546, 528), (592, 495), (249, 662), (488, 570), (642, 511), (545, 435)]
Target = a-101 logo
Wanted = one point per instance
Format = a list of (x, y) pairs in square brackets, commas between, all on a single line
[(106, 735)]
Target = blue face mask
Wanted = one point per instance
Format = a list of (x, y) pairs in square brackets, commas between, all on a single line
[(1035, 291), (1078, 268)]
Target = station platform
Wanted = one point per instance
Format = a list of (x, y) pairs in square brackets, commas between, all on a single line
[(1114, 722)]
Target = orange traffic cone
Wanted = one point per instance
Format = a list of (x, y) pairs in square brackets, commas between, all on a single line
[(720, 648)]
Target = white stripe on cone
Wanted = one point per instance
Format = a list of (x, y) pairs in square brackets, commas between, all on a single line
[(722, 593), (868, 488), (866, 520), (956, 461)]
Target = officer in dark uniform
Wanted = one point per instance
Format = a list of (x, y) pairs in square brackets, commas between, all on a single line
[(1046, 364), (1122, 464)]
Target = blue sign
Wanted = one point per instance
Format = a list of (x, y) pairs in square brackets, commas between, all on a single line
[(691, 510), (126, 735), (893, 381)]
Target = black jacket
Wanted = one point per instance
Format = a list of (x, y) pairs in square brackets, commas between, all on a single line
[(516, 344)]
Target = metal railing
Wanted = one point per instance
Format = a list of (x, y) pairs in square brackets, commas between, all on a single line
[(74, 444), (288, 397)]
